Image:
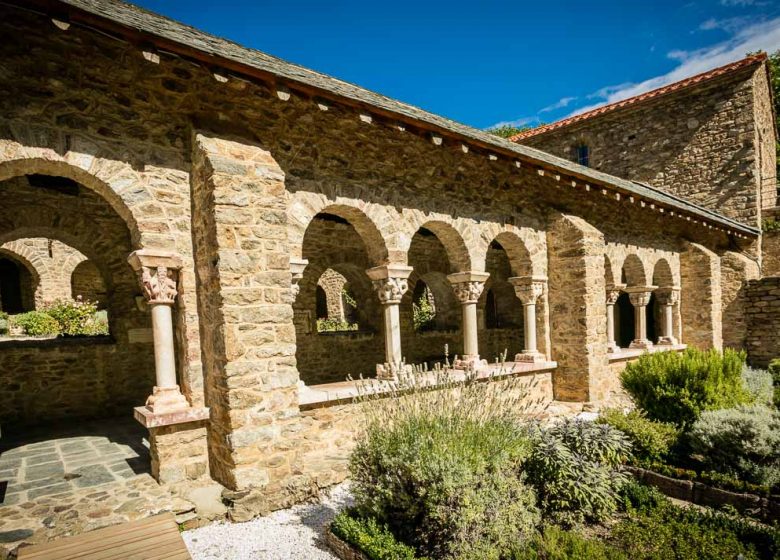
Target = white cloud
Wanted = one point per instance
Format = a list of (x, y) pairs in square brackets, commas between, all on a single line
[(560, 104), (732, 3), (522, 121), (758, 36), (730, 25)]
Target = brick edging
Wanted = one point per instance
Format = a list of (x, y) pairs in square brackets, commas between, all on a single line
[(704, 495)]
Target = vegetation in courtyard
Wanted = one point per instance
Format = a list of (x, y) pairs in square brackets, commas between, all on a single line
[(650, 440), (64, 318), (574, 467), (676, 387), (442, 468), (423, 312), (335, 325), (458, 472)]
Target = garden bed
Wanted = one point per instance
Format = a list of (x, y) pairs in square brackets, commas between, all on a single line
[(767, 509)]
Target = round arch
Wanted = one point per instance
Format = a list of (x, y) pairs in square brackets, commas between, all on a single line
[(453, 242), (302, 214), (28, 292), (662, 274), (633, 271), (12, 168)]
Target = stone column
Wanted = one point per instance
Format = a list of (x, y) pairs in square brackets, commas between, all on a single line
[(297, 266), (468, 287), (613, 293), (158, 272), (668, 297), (529, 289), (390, 283), (640, 297)]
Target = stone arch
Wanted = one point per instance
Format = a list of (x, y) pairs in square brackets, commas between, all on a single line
[(662, 274), (701, 297), (87, 283), (453, 241), (633, 271), (446, 306), (113, 181), (610, 277), (373, 224), (527, 254)]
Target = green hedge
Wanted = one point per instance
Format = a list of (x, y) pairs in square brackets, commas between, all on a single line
[(676, 387), (36, 323), (650, 440)]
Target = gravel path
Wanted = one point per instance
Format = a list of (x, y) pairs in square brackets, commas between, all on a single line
[(290, 534)]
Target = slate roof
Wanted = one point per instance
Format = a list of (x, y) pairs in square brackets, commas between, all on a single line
[(653, 94), (127, 17)]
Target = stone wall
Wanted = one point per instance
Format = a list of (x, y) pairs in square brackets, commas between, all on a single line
[(770, 253), (231, 175), (763, 320), (47, 381), (700, 143)]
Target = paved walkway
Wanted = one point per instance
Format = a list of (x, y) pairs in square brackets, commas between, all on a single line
[(85, 455), (76, 478)]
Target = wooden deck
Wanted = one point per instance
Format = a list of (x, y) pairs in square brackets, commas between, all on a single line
[(153, 538)]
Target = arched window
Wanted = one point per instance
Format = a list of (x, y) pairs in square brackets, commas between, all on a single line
[(11, 297), (423, 308), (322, 303), (491, 312)]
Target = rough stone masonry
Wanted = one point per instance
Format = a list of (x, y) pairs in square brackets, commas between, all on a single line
[(213, 186)]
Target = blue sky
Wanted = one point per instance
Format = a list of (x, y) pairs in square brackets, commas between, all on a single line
[(490, 61)]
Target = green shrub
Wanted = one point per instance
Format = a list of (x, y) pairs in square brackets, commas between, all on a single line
[(759, 384), (677, 387), (373, 540), (574, 466), (35, 323), (744, 441), (335, 325), (641, 498), (77, 318), (555, 543), (440, 467), (650, 441), (774, 369)]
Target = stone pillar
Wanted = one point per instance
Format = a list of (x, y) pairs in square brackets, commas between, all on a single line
[(297, 266), (529, 289), (640, 297), (468, 287), (158, 272), (668, 298), (390, 283), (177, 432), (613, 293)]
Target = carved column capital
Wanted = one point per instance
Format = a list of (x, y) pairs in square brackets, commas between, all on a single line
[(528, 288), (613, 293), (640, 295), (668, 295), (297, 266), (468, 286), (158, 273), (390, 282)]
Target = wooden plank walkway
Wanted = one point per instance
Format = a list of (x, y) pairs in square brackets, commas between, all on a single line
[(153, 538)]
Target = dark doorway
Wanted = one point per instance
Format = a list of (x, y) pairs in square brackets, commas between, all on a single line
[(624, 326), (10, 287)]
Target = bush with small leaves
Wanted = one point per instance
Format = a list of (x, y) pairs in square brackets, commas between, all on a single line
[(759, 383), (440, 464), (555, 543), (373, 540), (742, 441), (35, 323), (575, 468), (650, 441), (77, 318), (676, 387)]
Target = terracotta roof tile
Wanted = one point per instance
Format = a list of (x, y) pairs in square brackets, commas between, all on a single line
[(676, 86)]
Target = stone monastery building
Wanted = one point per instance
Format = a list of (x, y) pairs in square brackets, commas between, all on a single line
[(256, 232)]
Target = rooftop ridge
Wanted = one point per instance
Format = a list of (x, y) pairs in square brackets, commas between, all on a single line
[(652, 94)]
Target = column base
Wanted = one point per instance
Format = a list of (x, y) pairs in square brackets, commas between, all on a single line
[(166, 399), (667, 341), (469, 363), (613, 348), (530, 357), (641, 344), (390, 372)]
